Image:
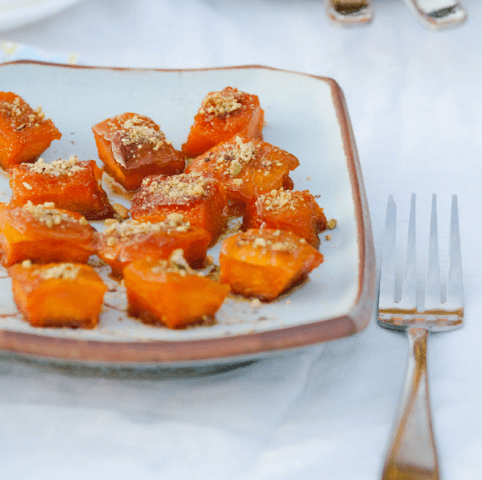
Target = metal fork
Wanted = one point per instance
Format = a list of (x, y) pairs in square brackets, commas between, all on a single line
[(412, 453)]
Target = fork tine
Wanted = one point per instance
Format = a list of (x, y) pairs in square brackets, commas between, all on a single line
[(455, 287), (432, 284), (387, 272), (408, 300)]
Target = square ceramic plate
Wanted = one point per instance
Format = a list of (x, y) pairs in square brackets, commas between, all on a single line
[(306, 116)]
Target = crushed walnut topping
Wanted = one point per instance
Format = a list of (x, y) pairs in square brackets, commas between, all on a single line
[(121, 212), (279, 199), (47, 214), (275, 242), (117, 231), (234, 159), (255, 303), (331, 225), (220, 103), (21, 115), (63, 271), (183, 187), (137, 130), (58, 167), (176, 264)]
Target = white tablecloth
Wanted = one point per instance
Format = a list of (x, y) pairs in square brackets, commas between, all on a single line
[(414, 98)]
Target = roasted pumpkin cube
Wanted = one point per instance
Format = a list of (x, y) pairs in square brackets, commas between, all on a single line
[(44, 234), (70, 184), (246, 169), (132, 146), (160, 292), (293, 211), (57, 294), (264, 263), (200, 199), (123, 242), (24, 133), (223, 115)]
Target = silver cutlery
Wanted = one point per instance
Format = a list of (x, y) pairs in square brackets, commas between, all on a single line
[(438, 14), (412, 453), (349, 12), (435, 14)]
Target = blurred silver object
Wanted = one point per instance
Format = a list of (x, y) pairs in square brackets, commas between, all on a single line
[(349, 12), (435, 14), (438, 14)]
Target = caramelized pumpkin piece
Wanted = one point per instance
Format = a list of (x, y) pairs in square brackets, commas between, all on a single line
[(293, 211), (24, 133), (246, 169), (57, 294), (71, 184), (264, 263), (165, 292), (44, 234), (200, 199), (133, 146), (222, 116), (123, 242)]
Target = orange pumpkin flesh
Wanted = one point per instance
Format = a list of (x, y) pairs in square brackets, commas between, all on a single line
[(46, 299), (37, 236), (24, 133), (132, 147), (70, 184), (263, 263), (293, 211), (122, 243), (168, 297), (246, 169), (201, 200), (222, 116)]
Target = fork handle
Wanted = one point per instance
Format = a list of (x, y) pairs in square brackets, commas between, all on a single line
[(412, 454)]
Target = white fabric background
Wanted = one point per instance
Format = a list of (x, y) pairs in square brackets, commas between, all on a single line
[(414, 97)]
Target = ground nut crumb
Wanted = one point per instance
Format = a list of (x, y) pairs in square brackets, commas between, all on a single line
[(64, 271), (278, 200), (255, 304), (118, 231), (58, 167), (120, 210), (142, 131), (176, 264), (331, 224), (21, 115), (235, 158), (219, 103), (182, 188), (276, 241), (48, 215)]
